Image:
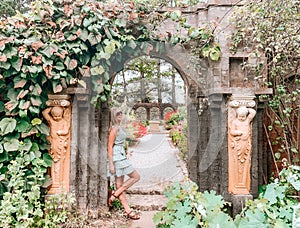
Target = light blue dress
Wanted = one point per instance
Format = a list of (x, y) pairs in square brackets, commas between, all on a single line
[(122, 164)]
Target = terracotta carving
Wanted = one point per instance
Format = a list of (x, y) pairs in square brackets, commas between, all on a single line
[(239, 148), (59, 119)]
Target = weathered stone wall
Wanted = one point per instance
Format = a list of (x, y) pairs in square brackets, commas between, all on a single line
[(209, 86)]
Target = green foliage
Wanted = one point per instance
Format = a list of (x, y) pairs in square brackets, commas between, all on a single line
[(186, 207), (21, 205), (274, 206)]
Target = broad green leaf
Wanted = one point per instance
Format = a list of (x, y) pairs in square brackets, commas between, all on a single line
[(36, 121), (219, 219), (47, 159), (12, 94), (175, 15), (43, 128), (120, 22), (94, 39), (11, 145), (49, 49), (16, 64), (274, 192), (23, 126), (7, 125), (26, 144), (57, 87), (34, 147), (10, 52), (34, 110), (5, 65), (36, 101), (71, 64), (83, 34), (23, 113), (254, 219), (215, 53), (59, 66)]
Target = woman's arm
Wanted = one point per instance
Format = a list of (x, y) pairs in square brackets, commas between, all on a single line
[(111, 139)]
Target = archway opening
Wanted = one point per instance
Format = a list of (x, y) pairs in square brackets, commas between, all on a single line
[(152, 94)]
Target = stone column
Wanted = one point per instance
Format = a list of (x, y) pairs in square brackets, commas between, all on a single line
[(240, 116), (58, 115)]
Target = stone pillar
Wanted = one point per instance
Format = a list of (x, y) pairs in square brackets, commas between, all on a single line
[(58, 115), (240, 116)]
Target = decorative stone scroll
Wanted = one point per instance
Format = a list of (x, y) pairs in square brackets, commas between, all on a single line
[(240, 116), (58, 115)]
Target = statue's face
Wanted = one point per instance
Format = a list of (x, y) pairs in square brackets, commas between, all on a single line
[(57, 113), (242, 117)]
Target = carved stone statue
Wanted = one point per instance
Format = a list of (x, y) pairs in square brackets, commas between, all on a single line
[(59, 119), (240, 147)]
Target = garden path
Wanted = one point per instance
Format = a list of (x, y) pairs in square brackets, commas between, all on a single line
[(157, 161)]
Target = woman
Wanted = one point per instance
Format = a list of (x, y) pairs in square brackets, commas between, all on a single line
[(119, 165)]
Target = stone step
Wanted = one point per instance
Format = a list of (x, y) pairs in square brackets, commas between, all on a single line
[(144, 202)]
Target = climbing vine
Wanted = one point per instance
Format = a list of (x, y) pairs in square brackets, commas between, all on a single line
[(270, 29), (64, 43)]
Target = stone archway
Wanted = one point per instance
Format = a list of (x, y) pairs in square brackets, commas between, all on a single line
[(211, 86), (91, 126)]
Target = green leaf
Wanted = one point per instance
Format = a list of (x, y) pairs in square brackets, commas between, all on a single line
[(49, 49), (34, 147), (215, 53), (83, 34), (274, 192), (36, 121), (120, 22), (22, 126), (5, 65), (16, 64), (34, 110), (19, 82), (26, 144), (7, 125), (57, 87), (43, 128), (220, 219), (94, 39), (36, 101), (71, 64), (175, 15), (11, 145), (47, 159), (254, 219)]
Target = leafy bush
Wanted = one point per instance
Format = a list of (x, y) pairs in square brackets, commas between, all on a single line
[(186, 207)]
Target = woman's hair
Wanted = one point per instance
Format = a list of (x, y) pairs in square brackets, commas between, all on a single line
[(114, 112)]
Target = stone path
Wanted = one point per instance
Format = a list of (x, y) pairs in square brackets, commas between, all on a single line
[(157, 161)]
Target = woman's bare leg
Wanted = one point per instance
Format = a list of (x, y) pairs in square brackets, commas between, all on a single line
[(123, 186)]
